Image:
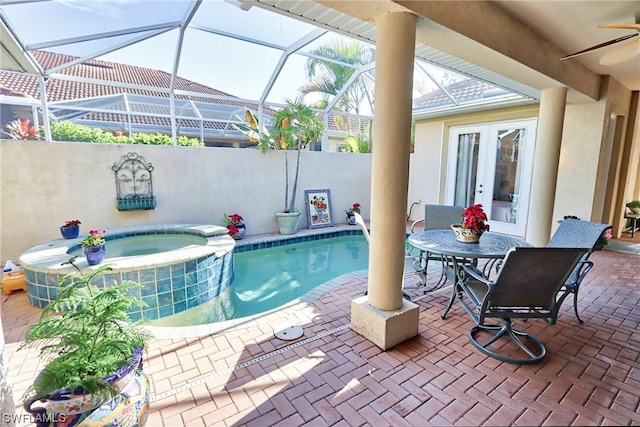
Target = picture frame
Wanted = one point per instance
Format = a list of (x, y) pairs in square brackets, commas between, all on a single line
[(319, 211)]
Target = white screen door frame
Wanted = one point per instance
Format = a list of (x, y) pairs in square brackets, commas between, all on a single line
[(491, 164)]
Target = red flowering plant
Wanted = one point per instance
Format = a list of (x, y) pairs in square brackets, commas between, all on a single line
[(355, 208), (72, 223), (474, 218), (233, 222), (95, 238), (22, 129)]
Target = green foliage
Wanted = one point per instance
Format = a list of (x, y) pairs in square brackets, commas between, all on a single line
[(295, 126), (85, 334), (633, 204), (357, 144), (328, 77), (68, 131)]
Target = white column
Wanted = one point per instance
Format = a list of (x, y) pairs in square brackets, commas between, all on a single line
[(545, 164), (395, 52), (383, 316)]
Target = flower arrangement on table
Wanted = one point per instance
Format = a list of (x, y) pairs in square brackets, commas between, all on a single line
[(94, 238), (473, 224), (235, 225), (474, 219)]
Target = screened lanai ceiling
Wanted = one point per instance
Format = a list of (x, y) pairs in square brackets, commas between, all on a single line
[(197, 64)]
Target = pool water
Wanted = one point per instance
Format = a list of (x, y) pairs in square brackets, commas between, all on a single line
[(268, 278), (147, 244)]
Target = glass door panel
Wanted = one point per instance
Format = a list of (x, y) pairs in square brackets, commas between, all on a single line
[(491, 164), (466, 168)]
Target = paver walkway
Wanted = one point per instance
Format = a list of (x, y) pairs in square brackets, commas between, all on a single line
[(333, 376)]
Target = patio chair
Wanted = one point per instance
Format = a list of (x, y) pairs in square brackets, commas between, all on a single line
[(574, 233), (525, 288), (409, 260), (436, 217)]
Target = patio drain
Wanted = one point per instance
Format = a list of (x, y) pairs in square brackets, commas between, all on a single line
[(288, 332), (215, 375)]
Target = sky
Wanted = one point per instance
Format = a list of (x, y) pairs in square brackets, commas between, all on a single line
[(236, 67)]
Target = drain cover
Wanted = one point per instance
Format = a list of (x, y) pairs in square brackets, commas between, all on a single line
[(288, 332)]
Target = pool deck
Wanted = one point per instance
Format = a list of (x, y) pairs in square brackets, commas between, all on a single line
[(333, 376)]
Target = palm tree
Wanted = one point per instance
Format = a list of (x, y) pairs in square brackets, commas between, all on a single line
[(328, 78), (295, 126)]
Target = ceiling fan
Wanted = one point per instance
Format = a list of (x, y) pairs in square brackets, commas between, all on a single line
[(620, 53)]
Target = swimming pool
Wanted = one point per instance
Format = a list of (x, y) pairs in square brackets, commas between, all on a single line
[(265, 279)]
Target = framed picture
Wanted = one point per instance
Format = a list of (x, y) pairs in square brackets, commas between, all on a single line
[(318, 208)]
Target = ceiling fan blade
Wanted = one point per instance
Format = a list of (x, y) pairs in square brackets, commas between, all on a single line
[(627, 26), (621, 53), (601, 45)]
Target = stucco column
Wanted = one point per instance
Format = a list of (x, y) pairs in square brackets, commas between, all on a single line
[(545, 164), (383, 316), (395, 51)]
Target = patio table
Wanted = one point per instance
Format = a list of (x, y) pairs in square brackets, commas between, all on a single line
[(491, 246)]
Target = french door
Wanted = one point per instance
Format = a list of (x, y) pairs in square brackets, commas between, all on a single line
[(491, 164)]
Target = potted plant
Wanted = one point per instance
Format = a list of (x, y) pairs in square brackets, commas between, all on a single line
[(634, 205), (295, 126), (93, 246), (93, 351), (235, 225), (355, 208), (473, 224), (70, 229)]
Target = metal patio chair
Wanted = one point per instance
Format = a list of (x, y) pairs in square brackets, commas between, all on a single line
[(436, 217), (574, 233), (526, 287)]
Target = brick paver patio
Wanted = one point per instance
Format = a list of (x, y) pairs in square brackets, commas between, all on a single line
[(333, 376)]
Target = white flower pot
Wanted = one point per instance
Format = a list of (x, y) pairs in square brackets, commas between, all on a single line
[(288, 222)]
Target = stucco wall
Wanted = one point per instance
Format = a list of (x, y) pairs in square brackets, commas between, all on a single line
[(579, 153), (44, 184)]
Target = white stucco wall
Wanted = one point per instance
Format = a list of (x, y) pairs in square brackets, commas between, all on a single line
[(427, 164), (579, 153), (44, 184)]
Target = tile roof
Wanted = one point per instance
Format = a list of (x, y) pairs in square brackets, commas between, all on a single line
[(21, 84), (462, 91)]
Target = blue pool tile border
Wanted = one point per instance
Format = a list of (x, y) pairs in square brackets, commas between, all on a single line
[(270, 243)]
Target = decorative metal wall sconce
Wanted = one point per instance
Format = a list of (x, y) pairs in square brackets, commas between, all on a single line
[(133, 183)]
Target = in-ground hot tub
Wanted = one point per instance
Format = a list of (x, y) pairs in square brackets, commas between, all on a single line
[(179, 266)]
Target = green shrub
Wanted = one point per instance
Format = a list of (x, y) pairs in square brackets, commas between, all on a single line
[(68, 131)]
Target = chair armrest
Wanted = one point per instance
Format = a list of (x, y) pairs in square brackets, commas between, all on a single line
[(414, 224), (476, 274), (583, 267)]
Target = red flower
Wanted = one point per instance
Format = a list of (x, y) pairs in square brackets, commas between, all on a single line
[(232, 229), (474, 218), (72, 223), (235, 218)]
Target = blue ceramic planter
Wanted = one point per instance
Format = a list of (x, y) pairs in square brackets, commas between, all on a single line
[(94, 254), (70, 232)]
